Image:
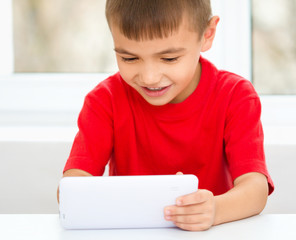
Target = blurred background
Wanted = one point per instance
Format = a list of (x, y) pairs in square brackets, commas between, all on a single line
[(62, 36), (72, 36), (274, 46)]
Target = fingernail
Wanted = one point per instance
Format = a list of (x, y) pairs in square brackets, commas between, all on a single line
[(168, 217), (179, 202), (167, 212)]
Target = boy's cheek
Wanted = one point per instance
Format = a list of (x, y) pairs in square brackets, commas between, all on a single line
[(127, 74)]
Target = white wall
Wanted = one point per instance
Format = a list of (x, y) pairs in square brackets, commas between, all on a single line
[(29, 175), (32, 160), (281, 163)]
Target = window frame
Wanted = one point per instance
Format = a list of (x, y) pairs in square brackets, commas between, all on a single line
[(6, 46)]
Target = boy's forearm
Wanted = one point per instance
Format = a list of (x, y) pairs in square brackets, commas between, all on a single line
[(76, 173), (247, 198)]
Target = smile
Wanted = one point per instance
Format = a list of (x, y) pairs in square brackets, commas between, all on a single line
[(156, 89), (155, 92)]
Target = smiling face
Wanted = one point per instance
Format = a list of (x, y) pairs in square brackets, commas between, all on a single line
[(162, 70)]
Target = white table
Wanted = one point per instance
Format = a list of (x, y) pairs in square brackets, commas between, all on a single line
[(43, 227)]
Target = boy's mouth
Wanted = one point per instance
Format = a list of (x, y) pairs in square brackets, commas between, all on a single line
[(155, 89), (155, 92)]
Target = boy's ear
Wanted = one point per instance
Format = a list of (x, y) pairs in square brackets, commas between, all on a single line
[(209, 34)]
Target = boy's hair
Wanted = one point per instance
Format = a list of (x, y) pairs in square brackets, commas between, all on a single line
[(149, 19)]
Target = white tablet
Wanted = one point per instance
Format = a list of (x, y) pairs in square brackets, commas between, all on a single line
[(120, 201)]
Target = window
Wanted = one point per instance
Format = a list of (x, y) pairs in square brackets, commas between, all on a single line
[(53, 52), (62, 37), (274, 46), (73, 36)]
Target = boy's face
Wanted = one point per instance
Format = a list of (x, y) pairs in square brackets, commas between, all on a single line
[(163, 70)]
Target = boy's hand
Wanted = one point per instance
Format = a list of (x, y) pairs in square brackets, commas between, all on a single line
[(201, 210), (193, 212)]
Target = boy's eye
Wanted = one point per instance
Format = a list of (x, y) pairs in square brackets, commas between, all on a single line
[(170, 59), (129, 59)]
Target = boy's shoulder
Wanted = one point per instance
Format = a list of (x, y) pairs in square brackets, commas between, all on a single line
[(110, 84), (228, 82), (236, 83), (108, 88), (107, 94)]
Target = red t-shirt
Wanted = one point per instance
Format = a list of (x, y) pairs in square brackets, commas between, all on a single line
[(215, 134)]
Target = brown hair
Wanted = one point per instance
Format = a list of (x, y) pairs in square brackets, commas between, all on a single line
[(149, 19)]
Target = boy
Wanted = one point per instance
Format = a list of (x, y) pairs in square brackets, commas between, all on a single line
[(169, 110)]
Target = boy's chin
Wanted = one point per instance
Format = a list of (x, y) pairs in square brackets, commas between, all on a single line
[(157, 101)]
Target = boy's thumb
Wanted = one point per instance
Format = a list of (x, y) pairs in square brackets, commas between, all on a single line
[(179, 173)]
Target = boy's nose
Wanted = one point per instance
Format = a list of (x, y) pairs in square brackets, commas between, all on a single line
[(150, 81), (150, 77)]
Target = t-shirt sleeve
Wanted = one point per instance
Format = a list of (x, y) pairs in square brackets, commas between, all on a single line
[(93, 144), (244, 138)]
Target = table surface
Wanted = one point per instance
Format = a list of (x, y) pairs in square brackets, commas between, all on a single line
[(47, 226)]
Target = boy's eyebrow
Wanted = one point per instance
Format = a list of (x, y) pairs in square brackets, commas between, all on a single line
[(171, 50), (166, 51), (122, 51)]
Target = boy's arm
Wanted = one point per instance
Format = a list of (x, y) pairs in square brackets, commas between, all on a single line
[(201, 210), (74, 173), (248, 197)]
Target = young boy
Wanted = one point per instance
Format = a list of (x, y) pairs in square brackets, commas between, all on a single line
[(169, 110)]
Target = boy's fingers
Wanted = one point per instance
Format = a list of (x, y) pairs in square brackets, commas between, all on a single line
[(186, 210), (179, 173), (191, 219), (194, 198)]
